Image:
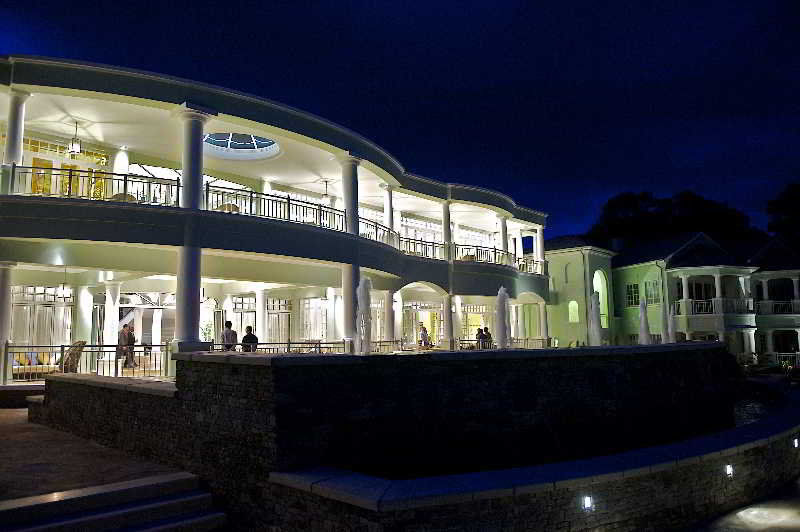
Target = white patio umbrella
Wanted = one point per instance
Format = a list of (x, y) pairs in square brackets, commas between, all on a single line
[(503, 334), (644, 326), (363, 340), (595, 332), (665, 319)]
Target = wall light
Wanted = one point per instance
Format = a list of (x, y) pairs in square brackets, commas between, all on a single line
[(74, 146), (588, 503), (729, 470), (795, 442)]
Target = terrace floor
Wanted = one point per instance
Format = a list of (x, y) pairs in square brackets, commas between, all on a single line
[(38, 460)]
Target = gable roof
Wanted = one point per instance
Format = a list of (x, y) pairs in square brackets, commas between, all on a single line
[(776, 255), (565, 242), (680, 251)]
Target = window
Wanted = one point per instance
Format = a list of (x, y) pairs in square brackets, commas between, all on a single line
[(314, 316), (573, 312), (632, 295), (279, 305), (652, 290), (679, 289), (244, 303)]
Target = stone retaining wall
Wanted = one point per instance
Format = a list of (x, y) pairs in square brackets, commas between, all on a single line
[(234, 419)]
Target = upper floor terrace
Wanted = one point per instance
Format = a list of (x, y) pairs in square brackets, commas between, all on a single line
[(97, 133)]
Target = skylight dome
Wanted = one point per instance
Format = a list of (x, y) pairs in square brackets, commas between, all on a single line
[(239, 146)]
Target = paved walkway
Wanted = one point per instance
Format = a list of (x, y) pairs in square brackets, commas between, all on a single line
[(35, 459)]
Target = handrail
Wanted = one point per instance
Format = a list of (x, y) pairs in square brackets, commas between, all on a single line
[(376, 231), (422, 248), (470, 253), (94, 185)]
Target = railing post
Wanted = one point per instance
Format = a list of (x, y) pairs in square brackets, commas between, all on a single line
[(4, 364), (69, 184), (125, 187), (61, 360), (208, 194), (251, 203), (288, 208)]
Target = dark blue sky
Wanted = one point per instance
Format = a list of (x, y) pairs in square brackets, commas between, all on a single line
[(560, 106)]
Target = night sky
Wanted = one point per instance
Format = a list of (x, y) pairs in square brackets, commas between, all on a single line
[(559, 104)]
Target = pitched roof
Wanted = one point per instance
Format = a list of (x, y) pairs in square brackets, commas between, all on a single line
[(774, 256), (680, 251), (565, 242)]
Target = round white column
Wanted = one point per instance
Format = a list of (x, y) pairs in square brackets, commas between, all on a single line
[(765, 289), (350, 192), (796, 288), (5, 319), (540, 243), (350, 277), (717, 285), (501, 220), (111, 313), (187, 295), (388, 318), (543, 323), (82, 317), (388, 208), (770, 341), (261, 315), (447, 321), (15, 126), (447, 235), (192, 159)]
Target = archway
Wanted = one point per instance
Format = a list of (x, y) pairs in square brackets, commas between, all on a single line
[(420, 306), (600, 285)]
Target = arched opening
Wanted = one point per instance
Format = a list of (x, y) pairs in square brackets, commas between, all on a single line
[(421, 304), (600, 285)]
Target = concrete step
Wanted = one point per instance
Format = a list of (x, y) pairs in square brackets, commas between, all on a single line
[(16, 513), (128, 515), (191, 523)]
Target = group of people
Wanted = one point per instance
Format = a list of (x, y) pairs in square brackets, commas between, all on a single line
[(230, 339), (484, 338)]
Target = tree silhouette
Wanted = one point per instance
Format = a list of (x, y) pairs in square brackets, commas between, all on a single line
[(784, 214), (637, 216)]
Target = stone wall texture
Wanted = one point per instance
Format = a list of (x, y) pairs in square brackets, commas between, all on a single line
[(234, 419)]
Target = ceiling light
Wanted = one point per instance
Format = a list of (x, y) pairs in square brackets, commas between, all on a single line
[(74, 147)]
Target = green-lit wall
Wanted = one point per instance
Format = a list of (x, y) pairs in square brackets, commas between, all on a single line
[(627, 319)]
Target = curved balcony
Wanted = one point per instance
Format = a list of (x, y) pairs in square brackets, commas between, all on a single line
[(148, 190)]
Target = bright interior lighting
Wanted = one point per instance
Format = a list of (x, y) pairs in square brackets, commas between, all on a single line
[(729, 470), (587, 503)]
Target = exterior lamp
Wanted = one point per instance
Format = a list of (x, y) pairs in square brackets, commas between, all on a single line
[(325, 197), (729, 470), (74, 146), (588, 503), (796, 443)]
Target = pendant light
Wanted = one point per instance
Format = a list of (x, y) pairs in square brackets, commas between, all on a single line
[(74, 147)]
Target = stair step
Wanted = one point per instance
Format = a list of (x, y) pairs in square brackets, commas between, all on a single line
[(18, 512), (190, 523), (127, 515)]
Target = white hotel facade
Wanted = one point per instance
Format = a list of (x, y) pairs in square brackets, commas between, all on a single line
[(130, 197)]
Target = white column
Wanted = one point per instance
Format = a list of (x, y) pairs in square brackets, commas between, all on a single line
[(155, 332), (15, 126), (501, 220), (796, 287), (717, 285), (350, 191), (765, 289), (750, 341), (5, 319), (111, 313), (518, 248), (447, 235), (261, 315), (540, 243), (350, 277), (447, 321), (82, 315), (330, 311), (388, 318), (770, 341), (388, 208), (188, 287), (543, 322)]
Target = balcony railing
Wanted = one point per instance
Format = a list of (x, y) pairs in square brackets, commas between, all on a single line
[(778, 307), (702, 306), (529, 265), (374, 231), (106, 186), (736, 305), (94, 185), (423, 248), (299, 347), (252, 203), (481, 254)]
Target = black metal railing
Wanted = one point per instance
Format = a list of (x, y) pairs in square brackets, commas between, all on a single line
[(470, 253), (423, 248), (94, 185)]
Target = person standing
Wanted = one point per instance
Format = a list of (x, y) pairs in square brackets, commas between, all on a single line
[(488, 338), (249, 340), (229, 337), (130, 361), (424, 338), (122, 345)]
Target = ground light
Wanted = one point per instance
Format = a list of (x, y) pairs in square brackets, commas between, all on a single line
[(588, 503), (795, 443), (729, 470)]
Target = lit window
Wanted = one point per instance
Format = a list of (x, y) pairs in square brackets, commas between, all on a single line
[(573, 312), (729, 470), (239, 146), (652, 290), (632, 295)]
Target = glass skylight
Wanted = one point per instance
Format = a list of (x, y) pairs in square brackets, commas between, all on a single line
[(239, 146)]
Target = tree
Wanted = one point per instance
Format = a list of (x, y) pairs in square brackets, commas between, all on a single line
[(784, 214), (629, 216)]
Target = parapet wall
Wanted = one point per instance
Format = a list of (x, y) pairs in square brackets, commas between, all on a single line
[(234, 419)]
